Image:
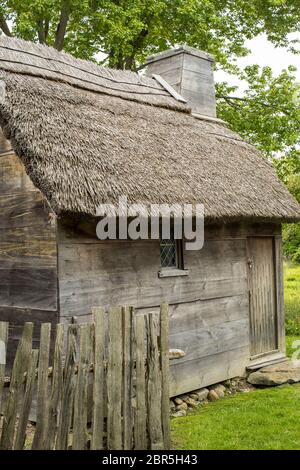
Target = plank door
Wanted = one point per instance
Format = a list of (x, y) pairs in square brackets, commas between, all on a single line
[(262, 289)]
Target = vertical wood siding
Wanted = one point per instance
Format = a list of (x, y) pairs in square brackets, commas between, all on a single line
[(263, 321), (28, 253)]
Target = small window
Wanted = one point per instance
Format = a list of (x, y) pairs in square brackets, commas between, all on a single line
[(171, 253), (171, 258), (168, 254)]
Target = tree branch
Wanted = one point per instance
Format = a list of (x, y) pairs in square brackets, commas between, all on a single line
[(46, 29), (233, 99), (4, 26), (137, 44), (62, 25)]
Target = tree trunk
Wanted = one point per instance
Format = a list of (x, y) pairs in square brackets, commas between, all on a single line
[(41, 31), (4, 26), (62, 25)]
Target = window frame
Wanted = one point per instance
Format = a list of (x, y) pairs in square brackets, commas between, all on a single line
[(179, 269)]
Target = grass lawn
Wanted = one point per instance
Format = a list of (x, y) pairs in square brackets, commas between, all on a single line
[(292, 298), (292, 305), (263, 419)]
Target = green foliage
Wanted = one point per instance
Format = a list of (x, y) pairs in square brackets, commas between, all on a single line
[(292, 298), (128, 30), (289, 170), (291, 345), (262, 419), (291, 242), (268, 114)]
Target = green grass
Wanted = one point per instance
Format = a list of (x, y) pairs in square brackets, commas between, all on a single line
[(263, 419), (292, 305), (292, 298)]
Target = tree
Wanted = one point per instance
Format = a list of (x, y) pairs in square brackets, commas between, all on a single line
[(128, 30), (267, 115)]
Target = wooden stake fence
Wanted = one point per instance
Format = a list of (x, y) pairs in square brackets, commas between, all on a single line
[(108, 389)]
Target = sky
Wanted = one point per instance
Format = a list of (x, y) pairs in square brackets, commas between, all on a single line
[(263, 53)]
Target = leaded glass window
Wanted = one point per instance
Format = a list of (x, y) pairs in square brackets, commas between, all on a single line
[(171, 253), (168, 253)]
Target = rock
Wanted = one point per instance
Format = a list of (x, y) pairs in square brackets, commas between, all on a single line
[(277, 374), (178, 414), (243, 386), (176, 353), (178, 401), (192, 403), (219, 389), (202, 393), (194, 396), (216, 387), (183, 406), (183, 397), (172, 405), (213, 396), (227, 383)]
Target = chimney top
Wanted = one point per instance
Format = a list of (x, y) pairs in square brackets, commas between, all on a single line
[(190, 72), (179, 50)]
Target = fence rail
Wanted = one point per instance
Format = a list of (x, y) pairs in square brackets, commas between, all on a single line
[(107, 387)]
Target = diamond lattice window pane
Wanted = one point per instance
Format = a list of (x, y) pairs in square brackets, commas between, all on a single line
[(168, 253)]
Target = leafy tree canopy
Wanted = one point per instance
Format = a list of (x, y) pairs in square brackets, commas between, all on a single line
[(268, 114), (128, 30)]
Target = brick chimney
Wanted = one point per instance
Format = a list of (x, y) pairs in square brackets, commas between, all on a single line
[(190, 72)]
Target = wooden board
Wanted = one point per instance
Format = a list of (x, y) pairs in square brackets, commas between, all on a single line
[(127, 273), (83, 230), (32, 288), (12, 175), (203, 342), (17, 317), (191, 375), (279, 293), (28, 251), (263, 321), (209, 308)]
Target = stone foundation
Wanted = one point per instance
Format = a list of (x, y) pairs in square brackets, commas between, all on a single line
[(179, 406)]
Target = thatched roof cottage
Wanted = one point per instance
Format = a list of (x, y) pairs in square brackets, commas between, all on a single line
[(76, 135)]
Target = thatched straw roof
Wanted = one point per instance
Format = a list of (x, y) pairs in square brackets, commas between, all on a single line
[(88, 135)]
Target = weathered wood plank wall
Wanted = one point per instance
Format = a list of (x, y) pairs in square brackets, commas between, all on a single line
[(209, 308), (28, 253)]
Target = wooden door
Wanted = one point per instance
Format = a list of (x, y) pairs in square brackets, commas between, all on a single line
[(263, 318)]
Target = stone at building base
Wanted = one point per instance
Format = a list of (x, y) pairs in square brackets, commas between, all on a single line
[(179, 406), (277, 374), (178, 414), (213, 396), (219, 389)]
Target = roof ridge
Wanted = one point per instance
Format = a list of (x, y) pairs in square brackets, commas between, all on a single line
[(75, 59), (24, 57)]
